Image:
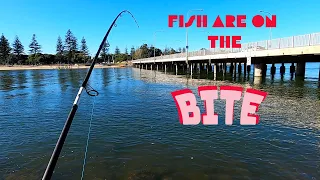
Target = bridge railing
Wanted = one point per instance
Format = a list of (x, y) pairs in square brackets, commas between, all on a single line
[(280, 43)]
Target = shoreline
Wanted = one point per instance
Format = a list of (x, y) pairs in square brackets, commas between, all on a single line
[(46, 67)]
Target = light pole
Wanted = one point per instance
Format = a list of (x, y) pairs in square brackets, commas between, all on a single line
[(270, 27), (154, 46), (187, 47)]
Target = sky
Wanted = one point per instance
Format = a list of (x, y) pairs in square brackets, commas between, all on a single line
[(91, 19)]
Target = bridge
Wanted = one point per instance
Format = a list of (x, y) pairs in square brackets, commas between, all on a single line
[(295, 49)]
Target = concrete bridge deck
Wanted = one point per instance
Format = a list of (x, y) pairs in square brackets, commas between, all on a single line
[(308, 44), (295, 49)]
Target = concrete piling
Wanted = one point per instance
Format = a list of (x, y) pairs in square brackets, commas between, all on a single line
[(207, 68), (239, 68), (292, 68), (176, 69), (301, 69), (264, 72), (282, 69), (231, 68), (273, 69), (245, 68), (215, 68), (248, 69), (258, 69), (319, 78)]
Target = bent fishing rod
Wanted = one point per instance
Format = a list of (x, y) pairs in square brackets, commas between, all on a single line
[(56, 152)]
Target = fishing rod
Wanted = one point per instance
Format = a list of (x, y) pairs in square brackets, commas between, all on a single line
[(56, 152)]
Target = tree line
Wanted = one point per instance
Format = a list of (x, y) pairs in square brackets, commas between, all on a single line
[(68, 52)]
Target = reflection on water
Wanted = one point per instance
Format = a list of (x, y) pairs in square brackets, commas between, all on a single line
[(21, 77), (6, 80), (292, 92), (37, 78), (75, 77), (62, 80), (136, 133), (105, 73)]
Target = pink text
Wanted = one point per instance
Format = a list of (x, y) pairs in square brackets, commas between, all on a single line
[(189, 112)]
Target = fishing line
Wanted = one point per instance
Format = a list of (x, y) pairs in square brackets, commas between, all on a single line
[(88, 136), (91, 92)]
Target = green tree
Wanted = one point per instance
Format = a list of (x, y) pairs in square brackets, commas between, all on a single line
[(126, 53), (17, 49), (34, 46), (132, 51), (151, 52), (117, 55), (33, 59), (59, 47), (4, 49), (70, 45), (45, 58), (117, 51), (172, 51), (74, 44), (158, 52), (84, 50), (104, 51), (137, 54), (166, 51), (59, 50), (184, 50), (120, 57), (144, 51)]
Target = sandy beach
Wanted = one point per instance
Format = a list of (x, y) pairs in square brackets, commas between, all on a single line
[(32, 67)]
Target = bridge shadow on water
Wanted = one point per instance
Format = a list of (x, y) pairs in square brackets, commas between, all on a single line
[(286, 84)]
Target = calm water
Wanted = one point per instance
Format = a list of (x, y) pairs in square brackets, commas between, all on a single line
[(136, 132)]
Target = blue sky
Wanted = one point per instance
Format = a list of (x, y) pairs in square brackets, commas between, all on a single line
[(91, 19)]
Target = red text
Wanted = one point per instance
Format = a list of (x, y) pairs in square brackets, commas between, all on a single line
[(202, 20), (225, 41), (259, 21)]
